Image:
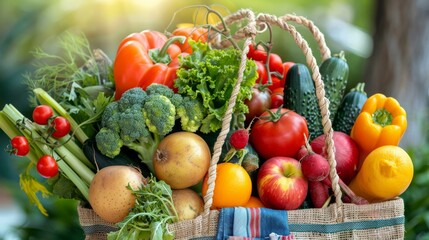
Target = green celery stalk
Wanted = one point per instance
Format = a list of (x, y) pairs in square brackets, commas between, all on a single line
[(70, 174), (84, 172), (74, 149)]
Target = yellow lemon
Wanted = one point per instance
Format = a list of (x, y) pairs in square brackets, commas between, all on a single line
[(385, 174)]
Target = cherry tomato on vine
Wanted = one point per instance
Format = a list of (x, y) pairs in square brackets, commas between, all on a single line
[(47, 166), (259, 103), (20, 146), (262, 73), (42, 113), (276, 64), (277, 98), (61, 127)]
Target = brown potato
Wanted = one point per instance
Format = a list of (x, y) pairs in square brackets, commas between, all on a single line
[(108, 193), (188, 203)]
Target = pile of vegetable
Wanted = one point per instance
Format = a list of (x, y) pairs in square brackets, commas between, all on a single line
[(133, 138)]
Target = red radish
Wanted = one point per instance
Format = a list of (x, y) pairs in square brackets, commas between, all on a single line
[(239, 138), (302, 153), (346, 154), (319, 193), (313, 165)]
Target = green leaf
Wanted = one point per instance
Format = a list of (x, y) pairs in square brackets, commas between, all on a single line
[(152, 212), (210, 75)]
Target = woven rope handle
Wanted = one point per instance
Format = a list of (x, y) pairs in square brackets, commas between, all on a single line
[(249, 32)]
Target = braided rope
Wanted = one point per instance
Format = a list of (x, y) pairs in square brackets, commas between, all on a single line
[(317, 34)]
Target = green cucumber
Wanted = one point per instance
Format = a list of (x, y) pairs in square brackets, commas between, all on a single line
[(300, 96), (349, 109), (334, 72)]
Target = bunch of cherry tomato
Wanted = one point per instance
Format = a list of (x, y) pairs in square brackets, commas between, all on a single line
[(268, 91), (55, 126)]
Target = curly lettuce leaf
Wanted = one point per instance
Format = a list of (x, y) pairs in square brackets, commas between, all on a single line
[(210, 75)]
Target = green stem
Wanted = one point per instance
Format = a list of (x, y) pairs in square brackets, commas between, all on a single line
[(44, 98), (81, 169), (76, 151), (161, 55), (7, 126), (382, 117), (341, 55), (360, 87)]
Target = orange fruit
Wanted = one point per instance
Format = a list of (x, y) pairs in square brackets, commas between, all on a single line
[(254, 202), (233, 186), (385, 174)]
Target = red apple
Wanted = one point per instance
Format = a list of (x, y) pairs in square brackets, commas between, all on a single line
[(281, 184)]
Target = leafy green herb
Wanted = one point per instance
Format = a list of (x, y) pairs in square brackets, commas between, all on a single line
[(154, 209), (210, 75), (77, 79)]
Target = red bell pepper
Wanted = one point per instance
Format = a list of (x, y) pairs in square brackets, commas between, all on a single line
[(144, 58), (195, 33)]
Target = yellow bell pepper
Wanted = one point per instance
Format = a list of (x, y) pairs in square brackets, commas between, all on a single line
[(382, 121)]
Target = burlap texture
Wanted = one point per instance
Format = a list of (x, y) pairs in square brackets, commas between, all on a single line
[(385, 221)]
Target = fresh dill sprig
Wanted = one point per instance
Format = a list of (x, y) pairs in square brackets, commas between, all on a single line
[(77, 77)]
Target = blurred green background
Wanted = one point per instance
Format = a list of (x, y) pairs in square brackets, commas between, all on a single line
[(383, 40)]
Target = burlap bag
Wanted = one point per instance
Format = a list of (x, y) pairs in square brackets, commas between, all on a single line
[(337, 221)]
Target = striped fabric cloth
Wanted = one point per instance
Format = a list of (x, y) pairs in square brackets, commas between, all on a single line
[(253, 224)]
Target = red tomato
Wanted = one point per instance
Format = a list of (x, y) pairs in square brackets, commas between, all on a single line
[(42, 113), (278, 91), (262, 73), (286, 67), (47, 166), (20, 145), (61, 127), (257, 54), (259, 103), (279, 135), (277, 97), (276, 64), (277, 82)]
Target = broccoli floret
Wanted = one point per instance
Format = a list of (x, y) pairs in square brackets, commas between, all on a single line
[(160, 114), (133, 125), (131, 97), (110, 116), (160, 89), (139, 120), (177, 100), (109, 142), (191, 113)]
